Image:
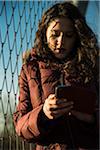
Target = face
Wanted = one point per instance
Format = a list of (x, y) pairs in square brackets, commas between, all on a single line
[(61, 37)]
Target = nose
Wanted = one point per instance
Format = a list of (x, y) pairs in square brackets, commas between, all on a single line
[(60, 40)]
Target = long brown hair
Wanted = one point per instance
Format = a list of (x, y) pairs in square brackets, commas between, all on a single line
[(85, 59)]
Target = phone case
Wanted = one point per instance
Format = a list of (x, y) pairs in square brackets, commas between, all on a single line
[(84, 99)]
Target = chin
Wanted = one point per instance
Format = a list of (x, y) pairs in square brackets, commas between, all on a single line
[(61, 56)]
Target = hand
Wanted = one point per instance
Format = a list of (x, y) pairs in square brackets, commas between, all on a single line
[(83, 116), (54, 108)]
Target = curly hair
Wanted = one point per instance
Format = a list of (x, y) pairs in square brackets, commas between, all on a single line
[(87, 50)]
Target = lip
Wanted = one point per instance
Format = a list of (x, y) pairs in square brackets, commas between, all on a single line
[(60, 50)]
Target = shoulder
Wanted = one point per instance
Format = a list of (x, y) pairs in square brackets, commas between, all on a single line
[(28, 55), (29, 61)]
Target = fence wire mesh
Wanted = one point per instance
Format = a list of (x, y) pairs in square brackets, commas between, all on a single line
[(18, 24)]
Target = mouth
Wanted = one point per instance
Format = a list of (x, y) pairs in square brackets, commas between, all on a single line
[(60, 50), (60, 53)]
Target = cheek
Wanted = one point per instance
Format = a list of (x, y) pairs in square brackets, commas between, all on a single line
[(51, 42), (70, 43)]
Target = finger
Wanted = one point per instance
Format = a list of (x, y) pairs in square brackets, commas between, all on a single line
[(51, 96), (62, 111), (60, 105), (55, 101), (57, 114), (65, 104)]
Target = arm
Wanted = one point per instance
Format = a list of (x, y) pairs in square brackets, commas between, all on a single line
[(83, 116), (23, 115), (30, 122)]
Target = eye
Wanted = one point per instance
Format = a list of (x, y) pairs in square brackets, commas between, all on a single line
[(55, 33), (70, 34)]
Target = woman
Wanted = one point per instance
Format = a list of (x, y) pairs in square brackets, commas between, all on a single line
[(65, 52)]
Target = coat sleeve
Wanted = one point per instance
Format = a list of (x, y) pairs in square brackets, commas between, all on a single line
[(30, 122)]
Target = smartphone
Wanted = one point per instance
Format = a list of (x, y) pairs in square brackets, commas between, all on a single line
[(83, 98)]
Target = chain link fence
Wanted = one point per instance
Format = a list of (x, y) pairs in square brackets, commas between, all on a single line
[(18, 24)]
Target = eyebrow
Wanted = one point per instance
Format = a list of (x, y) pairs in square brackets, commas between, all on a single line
[(55, 24), (59, 30)]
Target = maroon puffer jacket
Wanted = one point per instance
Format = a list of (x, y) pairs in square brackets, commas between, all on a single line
[(32, 124)]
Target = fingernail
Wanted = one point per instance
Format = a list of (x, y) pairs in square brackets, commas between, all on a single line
[(69, 113)]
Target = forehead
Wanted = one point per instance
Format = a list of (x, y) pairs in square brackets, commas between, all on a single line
[(62, 24)]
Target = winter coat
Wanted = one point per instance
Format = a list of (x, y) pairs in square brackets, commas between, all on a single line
[(32, 124)]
